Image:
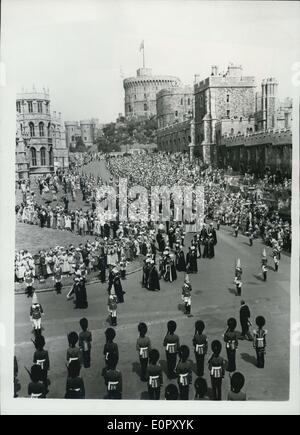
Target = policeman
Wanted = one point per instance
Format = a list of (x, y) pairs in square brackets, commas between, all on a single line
[(231, 340), (184, 372), (200, 346), (259, 341), (171, 343)]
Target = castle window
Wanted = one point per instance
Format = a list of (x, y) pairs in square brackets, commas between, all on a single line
[(73, 138), (31, 127), (30, 110), (49, 129), (241, 119), (232, 131), (176, 113), (135, 97), (250, 130), (189, 101), (50, 157), (18, 106), (85, 138), (47, 107), (40, 107), (145, 107), (43, 156), (129, 108), (227, 98), (181, 101), (41, 129), (228, 113), (33, 156)]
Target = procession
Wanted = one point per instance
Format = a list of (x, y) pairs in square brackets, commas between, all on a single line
[(173, 258)]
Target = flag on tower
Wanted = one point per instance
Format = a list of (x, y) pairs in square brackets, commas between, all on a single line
[(142, 45)]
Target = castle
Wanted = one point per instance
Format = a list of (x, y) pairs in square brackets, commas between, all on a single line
[(40, 137)]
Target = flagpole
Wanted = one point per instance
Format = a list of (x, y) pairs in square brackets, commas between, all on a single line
[(143, 55)]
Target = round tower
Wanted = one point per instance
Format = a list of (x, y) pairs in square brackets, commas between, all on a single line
[(140, 92), (87, 128), (174, 104), (71, 128)]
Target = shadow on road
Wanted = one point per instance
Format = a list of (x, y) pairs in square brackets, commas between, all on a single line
[(181, 307), (232, 291), (164, 366), (249, 358), (144, 395), (258, 277)]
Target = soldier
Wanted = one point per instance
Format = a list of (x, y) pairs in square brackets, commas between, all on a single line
[(171, 343), (85, 339), (216, 365), (200, 389), (237, 382), (200, 346), (36, 312), (36, 389), (184, 372), (231, 340), (73, 352), (75, 386), (143, 347), (110, 347), (259, 341), (171, 392), (186, 296), (251, 236), (112, 307), (41, 358), (154, 375), (113, 378)]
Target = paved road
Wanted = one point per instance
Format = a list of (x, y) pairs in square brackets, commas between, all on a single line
[(213, 301)]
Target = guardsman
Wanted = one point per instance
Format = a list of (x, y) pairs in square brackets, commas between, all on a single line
[(143, 346), (85, 339), (154, 375), (259, 341), (112, 309), (231, 340), (113, 378), (36, 312), (75, 386), (264, 267), (171, 343), (73, 352), (171, 392), (238, 277), (41, 358), (110, 348), (186, 296), (184, 372), (200, 389), (237, 382), (200, 346), (36, 388), (216, 365)]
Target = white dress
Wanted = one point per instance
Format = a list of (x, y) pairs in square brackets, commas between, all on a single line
[(66, 267)]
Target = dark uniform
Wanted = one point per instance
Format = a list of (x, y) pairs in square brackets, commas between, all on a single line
[(113, 381), (231, 340), (259, 344), (184, 372), (171, 343), (216, 365), (143, 347), (155, 381), (200, 346)]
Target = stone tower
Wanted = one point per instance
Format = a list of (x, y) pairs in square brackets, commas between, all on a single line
[(269, 89)]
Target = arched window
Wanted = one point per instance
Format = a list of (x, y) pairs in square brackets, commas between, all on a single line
[(49, 129), (31, 127), (33, 156), (41, 129), (43, 156), (50, 157), (189, 101)]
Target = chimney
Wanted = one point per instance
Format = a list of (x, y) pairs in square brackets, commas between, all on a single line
[(214, 70)]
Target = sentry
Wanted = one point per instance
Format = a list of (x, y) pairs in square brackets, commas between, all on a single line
[(172, 424)]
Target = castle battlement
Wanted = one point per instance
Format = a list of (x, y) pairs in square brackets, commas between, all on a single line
[(272, 137)]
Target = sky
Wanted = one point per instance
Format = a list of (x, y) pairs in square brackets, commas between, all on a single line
[(81, 49)]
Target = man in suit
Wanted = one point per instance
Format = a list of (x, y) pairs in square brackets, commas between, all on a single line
[(245, 320)]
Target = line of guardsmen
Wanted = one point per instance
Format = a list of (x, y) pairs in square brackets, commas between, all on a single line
[(178, 364)]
